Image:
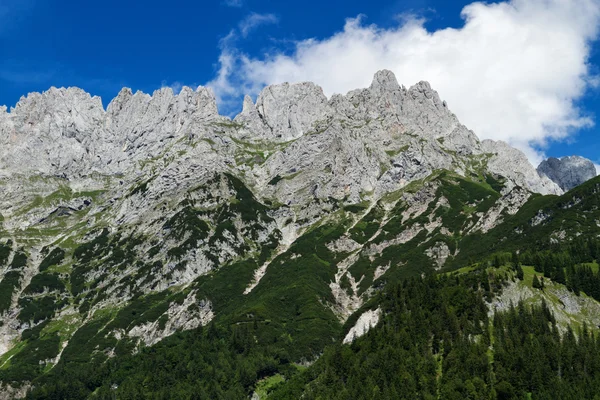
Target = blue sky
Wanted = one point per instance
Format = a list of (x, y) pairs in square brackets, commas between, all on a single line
[(103, 46)]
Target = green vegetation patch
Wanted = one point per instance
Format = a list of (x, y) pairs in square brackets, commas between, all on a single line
[(12, 280), (44, 281), (5, 250), (25, 364), (266, 385), (36, 309), (55, 257), (368, 226)]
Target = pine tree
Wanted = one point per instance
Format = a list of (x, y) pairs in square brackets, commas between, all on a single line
[(520, 273), (559, 275), (536, 283), (515, 260), (497, 262)]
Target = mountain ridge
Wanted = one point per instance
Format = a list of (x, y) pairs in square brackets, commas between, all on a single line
[(125, 228), (164, 116)]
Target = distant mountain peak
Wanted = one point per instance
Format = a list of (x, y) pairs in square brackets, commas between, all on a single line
[(567, 172)]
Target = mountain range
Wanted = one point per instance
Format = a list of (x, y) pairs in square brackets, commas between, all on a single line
[(158, 224)]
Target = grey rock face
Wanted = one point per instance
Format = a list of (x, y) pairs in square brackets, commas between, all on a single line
[(512, 163), (372, 140), (66, 132), (284, 112), (51, 133), (567, 172), (293, 147)]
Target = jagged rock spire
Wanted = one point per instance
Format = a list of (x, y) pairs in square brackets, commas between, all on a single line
[(384, 81)]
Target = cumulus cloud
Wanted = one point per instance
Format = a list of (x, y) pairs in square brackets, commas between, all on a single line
[(512, 72), (226, 85)]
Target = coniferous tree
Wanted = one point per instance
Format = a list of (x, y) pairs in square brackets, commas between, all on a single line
[(515, 259), (536, 282), (520, 273), (559, 275), (497, 263)]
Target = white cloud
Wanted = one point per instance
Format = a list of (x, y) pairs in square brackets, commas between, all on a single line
[(512, 72), (226, 85), (254, 20), (597, 169), (233, 3)]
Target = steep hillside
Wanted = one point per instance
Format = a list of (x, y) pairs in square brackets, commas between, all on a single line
[(437, 338)]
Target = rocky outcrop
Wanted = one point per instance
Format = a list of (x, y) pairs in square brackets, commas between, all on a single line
[(513, 164), (7, 392), (366, 321), (567, 307), (511, 201), (439, 253), (567, 172), (186, 316), (284, 112)]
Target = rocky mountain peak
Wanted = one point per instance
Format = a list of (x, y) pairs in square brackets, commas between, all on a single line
[(122, 98), (384, 81), (406, 133), (283, 112), (201, 101), (567, 172), (424, 94), (290, 110), (508, 161), (60, 104), (248, 105)]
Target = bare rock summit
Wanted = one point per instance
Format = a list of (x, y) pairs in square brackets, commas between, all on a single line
[(567, 172)]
